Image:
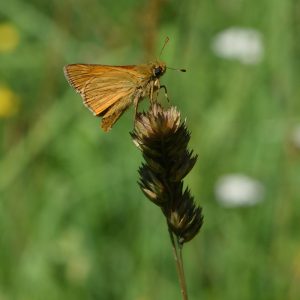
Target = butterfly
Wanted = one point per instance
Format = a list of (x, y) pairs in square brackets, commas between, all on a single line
[(108, 91)]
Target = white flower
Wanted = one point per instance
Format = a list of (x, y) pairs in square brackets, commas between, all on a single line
[(238, 190), (243, 44)]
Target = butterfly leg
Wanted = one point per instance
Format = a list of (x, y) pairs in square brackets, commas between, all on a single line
[(166, 91), (135, 104), (151, 93)]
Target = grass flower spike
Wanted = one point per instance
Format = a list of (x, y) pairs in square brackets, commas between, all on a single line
[(163, 140)]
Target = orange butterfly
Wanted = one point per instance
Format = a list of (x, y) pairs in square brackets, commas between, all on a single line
[(109, 90)]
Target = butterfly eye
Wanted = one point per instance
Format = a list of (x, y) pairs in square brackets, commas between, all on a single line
[(157, 71)]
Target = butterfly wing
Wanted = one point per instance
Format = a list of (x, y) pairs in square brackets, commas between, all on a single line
[(102, 86), (112, 114)]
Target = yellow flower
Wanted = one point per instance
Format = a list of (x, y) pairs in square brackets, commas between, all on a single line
[(9, 37), (9, 104)]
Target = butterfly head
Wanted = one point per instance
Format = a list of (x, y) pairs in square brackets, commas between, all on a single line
[(158, 69)]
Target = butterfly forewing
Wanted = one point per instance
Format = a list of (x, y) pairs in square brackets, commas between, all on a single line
[(102, 86)]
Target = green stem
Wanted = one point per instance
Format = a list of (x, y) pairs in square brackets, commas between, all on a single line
[(179, 265)]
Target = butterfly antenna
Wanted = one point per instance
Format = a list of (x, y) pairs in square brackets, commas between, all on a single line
[(161, 51), (163, 47), (181, 70)]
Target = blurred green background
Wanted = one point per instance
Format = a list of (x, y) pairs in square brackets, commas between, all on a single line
[(73, 222)]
